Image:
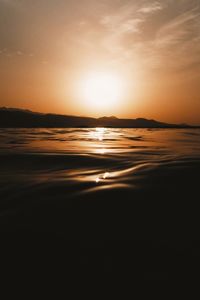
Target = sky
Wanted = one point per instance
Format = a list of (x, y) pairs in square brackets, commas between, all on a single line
[(48, 48)]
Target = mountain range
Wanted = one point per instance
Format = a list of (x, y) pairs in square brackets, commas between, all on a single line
[(21, 118)]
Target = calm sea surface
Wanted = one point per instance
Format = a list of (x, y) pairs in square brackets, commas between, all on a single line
[(120, 190)]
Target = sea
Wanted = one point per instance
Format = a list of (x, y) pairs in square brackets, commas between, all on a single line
[(101, 201)]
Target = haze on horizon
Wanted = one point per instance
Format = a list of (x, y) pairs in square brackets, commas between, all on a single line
[(47, 47)]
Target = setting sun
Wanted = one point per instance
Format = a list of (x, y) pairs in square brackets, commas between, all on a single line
[(101, 90)]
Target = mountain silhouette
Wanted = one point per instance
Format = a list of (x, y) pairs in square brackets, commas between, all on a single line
[(16, 118)]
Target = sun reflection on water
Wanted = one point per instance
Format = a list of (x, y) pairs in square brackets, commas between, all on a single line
[(98, 134), (101, 151), (99, 139), (102, 177)]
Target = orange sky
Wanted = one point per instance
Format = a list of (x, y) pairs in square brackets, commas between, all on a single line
[(48, 47)]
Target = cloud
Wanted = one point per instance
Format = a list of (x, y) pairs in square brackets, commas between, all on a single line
[(178, 41), (122, 23), (131, 33), (179, 29), (151, 8), (123, 26), (153, 33), (124, 19)]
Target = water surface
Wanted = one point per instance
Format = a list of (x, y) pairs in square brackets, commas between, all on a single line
[(107, 195)]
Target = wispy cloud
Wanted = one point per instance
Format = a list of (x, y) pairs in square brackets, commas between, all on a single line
[(175, 43), (154, 33), (131, 33), (124, 20), (179, 29), (178, 41), (151, 8)]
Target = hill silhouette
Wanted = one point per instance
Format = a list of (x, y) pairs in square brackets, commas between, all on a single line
[(20, 118)]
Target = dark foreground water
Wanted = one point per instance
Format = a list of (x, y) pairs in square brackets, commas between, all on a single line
[(101, 201)]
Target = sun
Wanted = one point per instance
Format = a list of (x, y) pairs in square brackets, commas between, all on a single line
[(101, 90)]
